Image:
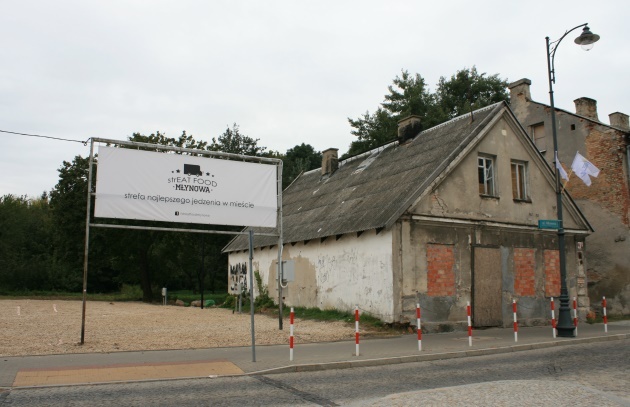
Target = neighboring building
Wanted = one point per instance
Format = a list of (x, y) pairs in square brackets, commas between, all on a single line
[(606, 203), (439, 217)]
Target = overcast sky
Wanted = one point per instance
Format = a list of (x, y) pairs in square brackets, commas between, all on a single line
[(287, 71)]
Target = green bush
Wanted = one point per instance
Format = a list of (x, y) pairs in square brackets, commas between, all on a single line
[(263, 300), (188, 296), (130, 293)]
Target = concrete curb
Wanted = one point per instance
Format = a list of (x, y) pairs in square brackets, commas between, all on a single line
[(313, 367)]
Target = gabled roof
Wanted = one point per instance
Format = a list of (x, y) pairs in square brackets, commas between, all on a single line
[(372, 190)]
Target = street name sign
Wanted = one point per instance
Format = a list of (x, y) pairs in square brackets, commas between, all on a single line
[(549, 224)]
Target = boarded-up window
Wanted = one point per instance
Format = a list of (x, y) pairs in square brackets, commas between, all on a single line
[(524, 272), (552, 273), (538, 135), (440, 270)]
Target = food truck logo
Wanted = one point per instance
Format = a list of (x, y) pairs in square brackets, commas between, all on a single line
[(192, 179)]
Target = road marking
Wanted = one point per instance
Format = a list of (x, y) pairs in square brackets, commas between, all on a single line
[(123, 372)]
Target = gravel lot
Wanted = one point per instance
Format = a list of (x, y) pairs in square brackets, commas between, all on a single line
[(44, 327)]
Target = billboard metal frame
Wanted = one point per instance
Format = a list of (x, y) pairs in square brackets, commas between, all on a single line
[(209, 154)]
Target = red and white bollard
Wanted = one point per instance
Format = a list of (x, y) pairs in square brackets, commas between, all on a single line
[(604, 312), (292, 318), (469, 324), (356, 329), (515, 321), (575, 315), (553, 319), (419, 327)]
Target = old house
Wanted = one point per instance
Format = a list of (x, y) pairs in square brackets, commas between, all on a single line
[(438, 217), (606, 202)]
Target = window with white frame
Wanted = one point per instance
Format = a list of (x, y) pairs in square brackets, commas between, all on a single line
[(519, 180), (485, 169)]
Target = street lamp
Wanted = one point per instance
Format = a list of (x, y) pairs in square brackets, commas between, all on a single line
[(586, 40)]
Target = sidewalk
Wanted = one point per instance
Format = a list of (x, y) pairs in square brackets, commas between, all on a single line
[(70, 369)]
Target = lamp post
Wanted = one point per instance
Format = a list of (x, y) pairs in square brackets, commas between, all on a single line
[(586, 40)]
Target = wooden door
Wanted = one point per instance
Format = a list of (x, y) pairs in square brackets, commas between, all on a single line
[(487, 287)]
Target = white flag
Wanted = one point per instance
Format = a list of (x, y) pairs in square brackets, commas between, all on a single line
[(560, 168), (584, 169)]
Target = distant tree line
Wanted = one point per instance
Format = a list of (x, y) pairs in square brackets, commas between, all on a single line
[(42, 239)]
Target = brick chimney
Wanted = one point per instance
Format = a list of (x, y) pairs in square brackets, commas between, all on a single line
[(330, 161), (620, 120), (586, 107), (408, 128)]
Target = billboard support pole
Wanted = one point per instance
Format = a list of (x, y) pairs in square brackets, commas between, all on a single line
[(251, 290), (87, 239)]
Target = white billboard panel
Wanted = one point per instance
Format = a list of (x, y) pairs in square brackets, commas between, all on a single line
[(134, 184)]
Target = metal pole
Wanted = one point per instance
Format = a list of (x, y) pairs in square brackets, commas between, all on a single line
[(280, 246), (203, 253), (87, 239), (564, 327), (251, 290)]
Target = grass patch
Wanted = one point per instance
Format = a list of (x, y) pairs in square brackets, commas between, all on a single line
[(70, 296), (334, 315), (126, 293)]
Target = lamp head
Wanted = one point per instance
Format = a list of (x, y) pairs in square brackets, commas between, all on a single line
[(587, 39)]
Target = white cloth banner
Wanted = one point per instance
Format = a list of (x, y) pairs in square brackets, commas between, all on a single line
[(134, 184), (561, 169), (584, 169)]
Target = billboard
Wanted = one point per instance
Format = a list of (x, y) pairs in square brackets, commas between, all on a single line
[(135, 184)]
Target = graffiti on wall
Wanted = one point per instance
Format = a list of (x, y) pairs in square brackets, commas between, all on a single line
[(238, 278)]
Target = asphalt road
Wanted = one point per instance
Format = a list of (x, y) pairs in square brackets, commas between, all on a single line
[(581, 375)]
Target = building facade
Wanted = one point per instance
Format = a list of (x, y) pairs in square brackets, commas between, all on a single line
[(441, 217), (606, 202)]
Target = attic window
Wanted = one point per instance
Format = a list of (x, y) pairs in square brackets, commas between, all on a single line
[(519, 180), (573, 127), (538, 135), (485, 169), (366, 163)]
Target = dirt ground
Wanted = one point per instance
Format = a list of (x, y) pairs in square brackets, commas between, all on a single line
[(44, 327)]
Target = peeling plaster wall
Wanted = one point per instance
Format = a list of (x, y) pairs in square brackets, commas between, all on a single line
[(445, 312), (337, 274), (435, 310)]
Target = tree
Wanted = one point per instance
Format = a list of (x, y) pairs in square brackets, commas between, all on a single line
[(298, 159), (232, 141), (372, 130), (409, 95), (469, 90), (25, 243), (68, 205)]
